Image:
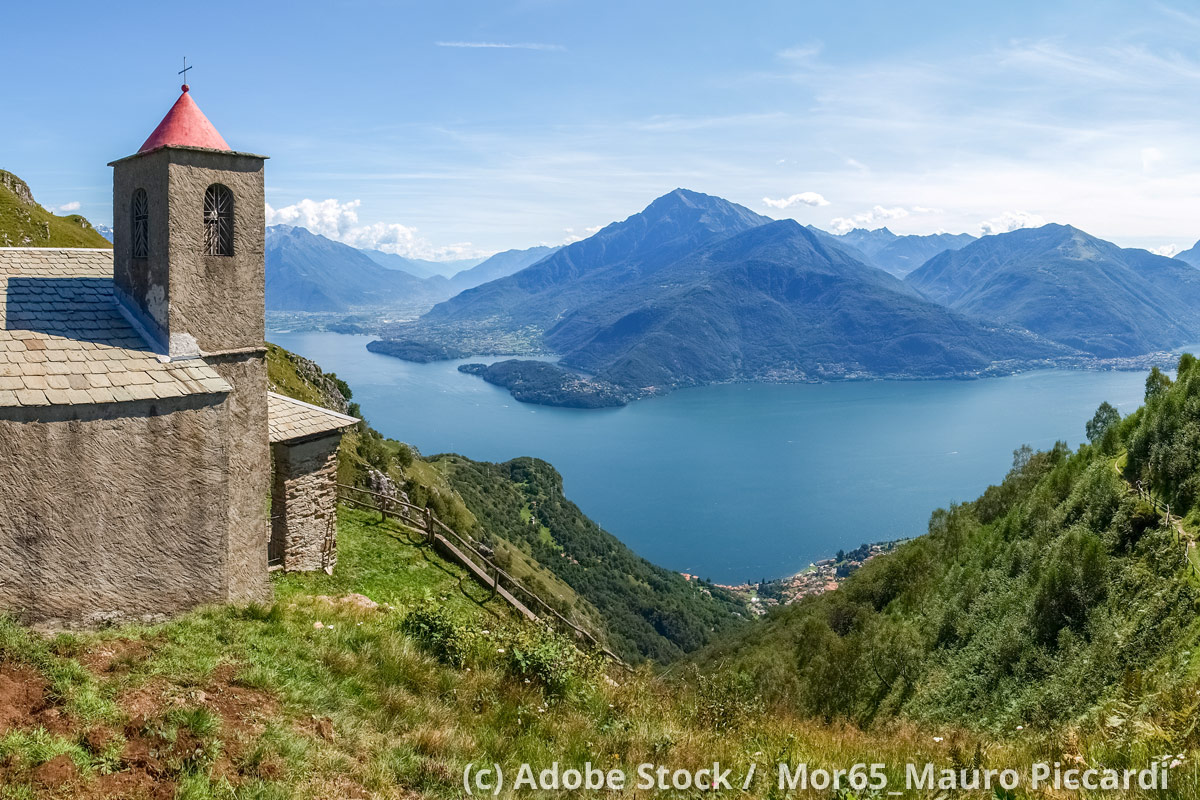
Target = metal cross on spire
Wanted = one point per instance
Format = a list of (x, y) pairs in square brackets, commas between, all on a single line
[(185, 69)]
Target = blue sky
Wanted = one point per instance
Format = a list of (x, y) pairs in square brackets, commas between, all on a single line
[(389, 125)]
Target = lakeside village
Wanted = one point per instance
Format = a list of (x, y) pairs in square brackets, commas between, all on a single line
[(823, 576)]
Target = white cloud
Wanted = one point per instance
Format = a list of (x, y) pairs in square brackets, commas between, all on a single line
[(876, 214), (576, 236), (1011, 221), (67, 207), (803, 198), (1167, 250), (504, 45), (339, 221), (326, 217)]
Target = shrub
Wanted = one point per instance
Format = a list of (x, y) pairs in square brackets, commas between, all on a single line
[(439, 633), (552, 660)]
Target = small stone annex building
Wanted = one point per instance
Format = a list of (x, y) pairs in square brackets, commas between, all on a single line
[(137, 434)]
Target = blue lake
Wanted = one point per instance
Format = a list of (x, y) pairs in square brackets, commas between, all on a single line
[(740, 482)]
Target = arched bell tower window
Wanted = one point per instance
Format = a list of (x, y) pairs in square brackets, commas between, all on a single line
[(140, 235), (218, 221)]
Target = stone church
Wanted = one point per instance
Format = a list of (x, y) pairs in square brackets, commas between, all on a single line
[(137, 433)]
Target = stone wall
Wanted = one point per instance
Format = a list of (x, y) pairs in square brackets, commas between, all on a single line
[(304, 503), (119, 511)]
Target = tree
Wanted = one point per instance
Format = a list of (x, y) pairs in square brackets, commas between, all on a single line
[(1021, 458), (1157, 383), (1106, 416), (1186, 362)]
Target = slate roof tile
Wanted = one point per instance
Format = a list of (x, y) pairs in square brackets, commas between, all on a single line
[(59, 317)]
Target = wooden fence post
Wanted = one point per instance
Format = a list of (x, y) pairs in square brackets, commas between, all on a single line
[(429, 524)]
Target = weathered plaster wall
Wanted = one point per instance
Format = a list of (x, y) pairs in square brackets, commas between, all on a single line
[(219, 300), (304, 503), (249, 467), (116, 511)]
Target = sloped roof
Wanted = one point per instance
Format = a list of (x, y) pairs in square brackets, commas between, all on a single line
[(184, 125), (290, 420), (64, 342)]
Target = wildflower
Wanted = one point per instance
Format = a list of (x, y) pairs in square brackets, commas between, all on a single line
[(1020, 727), (527, 680), (937, 738), (499, 649), (318, 625)]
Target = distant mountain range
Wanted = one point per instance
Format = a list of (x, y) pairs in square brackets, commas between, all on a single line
[(899, 255), (419, 267), (695, 289), (773, 302), (590, 270), (310, 272), (1073, 288), (1190, 256)]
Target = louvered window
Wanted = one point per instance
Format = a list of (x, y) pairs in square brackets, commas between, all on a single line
[(218, 221), (140, 235)]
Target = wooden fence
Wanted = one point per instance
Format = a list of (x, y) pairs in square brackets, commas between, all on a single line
[(1165, 508), (473, 557)]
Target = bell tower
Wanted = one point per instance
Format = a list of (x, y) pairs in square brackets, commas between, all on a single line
[(188, 238), (188, 272)]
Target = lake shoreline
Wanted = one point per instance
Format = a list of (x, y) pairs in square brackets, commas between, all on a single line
[(740, 481)]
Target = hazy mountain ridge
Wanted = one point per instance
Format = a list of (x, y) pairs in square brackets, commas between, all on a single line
[(311, 273), (1191, 255), (419, 267), (1071, 287), (900, 255)]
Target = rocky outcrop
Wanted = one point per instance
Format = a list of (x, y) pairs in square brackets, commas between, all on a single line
[(18, 187)]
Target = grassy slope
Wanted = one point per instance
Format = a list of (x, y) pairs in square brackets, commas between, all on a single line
[(255, 702), (24, 223)]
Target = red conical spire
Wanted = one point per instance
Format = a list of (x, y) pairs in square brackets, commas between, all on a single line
[(186, 125)]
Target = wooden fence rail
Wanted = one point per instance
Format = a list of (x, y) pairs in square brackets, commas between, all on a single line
[(1165, 508), (468, 553)]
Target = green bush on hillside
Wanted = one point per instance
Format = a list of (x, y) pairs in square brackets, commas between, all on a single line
[(1025, 607)]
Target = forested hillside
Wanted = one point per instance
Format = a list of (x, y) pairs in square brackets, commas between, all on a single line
[(1058, 597), (649, 611)]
